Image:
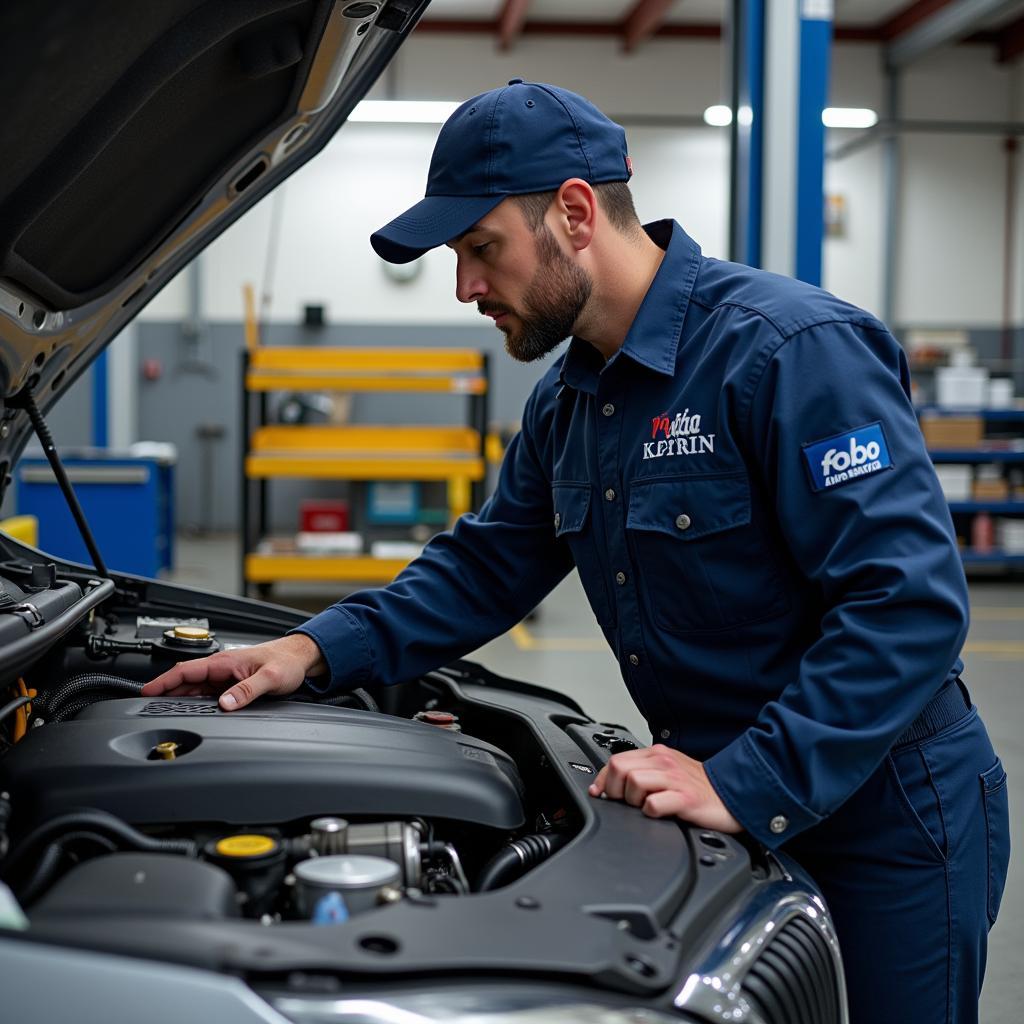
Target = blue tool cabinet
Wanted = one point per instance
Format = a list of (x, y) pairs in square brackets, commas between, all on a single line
[(128, 501)]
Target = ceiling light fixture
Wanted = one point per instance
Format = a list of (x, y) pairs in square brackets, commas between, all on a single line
[(720, 116)]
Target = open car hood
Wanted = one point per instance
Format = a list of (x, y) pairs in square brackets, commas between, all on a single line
[(133, 135)]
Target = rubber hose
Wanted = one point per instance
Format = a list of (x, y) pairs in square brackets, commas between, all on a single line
[(346, 698), (50, 861), (518, 857), (93, 820), (12, 706), (82, 684)]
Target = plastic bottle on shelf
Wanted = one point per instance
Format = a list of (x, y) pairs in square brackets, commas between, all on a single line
[(982, 533)]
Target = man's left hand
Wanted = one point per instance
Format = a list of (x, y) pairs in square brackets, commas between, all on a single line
[(664, 782)]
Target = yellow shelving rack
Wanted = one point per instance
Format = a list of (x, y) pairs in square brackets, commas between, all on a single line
[(453, 454)]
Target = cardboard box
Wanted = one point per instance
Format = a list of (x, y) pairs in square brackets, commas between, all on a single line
[(991, 490), (952, 431)]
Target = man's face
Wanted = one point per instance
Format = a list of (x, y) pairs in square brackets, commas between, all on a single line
[(522, 279)]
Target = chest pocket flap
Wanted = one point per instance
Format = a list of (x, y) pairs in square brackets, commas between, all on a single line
[(689, 508)]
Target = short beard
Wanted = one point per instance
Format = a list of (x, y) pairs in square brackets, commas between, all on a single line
[(553, 302)]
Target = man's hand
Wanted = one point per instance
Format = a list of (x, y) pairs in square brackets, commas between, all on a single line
[(663, 782), (277, 667)]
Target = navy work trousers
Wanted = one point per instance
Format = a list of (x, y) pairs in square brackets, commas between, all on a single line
[(912, 867)]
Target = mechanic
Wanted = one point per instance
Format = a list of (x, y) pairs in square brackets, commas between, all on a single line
[(732, 462)]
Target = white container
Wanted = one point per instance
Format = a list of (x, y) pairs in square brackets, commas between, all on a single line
[(1010, 535), (955, 482), (961, 387), (1000, 393)]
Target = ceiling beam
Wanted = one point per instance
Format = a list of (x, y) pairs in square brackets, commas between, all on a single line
[(1011, 42), (643, 21), (583, 29), (949, 23), (510, 23), (909, 17)]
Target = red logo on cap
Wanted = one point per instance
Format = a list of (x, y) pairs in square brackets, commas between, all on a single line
[(629, 167)]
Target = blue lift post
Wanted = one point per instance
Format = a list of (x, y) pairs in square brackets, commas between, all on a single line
[(780, 62), (815, 60)]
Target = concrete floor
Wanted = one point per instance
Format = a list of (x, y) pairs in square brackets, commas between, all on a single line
[(563, 648)]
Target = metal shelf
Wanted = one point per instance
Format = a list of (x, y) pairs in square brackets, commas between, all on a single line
[(453, 454), (993, 415), (974, 455), (296, 568), (1004, 507), (996, 557)]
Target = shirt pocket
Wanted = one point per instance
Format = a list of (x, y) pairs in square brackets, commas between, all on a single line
[(573, 525), (702, 563)]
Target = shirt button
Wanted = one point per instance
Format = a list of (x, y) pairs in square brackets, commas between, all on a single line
[(609, 495), (608, 410), (620, 578), (683, 521), (665, 733), (634, 660), (558, 520), (779, 824)]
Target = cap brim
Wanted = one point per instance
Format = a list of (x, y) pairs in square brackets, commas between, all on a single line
[(430, 223)]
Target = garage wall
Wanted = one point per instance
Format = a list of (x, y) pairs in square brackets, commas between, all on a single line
[(950, 223)]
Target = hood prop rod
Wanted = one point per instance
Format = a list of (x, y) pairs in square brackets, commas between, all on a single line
[(25, 400)]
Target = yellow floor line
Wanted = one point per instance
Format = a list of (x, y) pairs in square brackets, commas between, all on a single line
[(526, 641)]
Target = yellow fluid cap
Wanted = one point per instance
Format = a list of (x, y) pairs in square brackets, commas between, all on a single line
[(191, 633), (246, 846), (166, 751)]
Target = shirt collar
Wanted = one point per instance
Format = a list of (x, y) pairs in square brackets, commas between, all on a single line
[(653, 338)]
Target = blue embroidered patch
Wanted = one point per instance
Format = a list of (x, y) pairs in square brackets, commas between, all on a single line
[(846, 457)]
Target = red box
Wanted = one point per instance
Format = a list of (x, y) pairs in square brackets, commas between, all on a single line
[(323, 515)]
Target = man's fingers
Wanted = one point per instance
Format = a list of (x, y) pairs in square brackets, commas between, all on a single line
[(665, 804), (269, 678), (641, 782), (204, 672)]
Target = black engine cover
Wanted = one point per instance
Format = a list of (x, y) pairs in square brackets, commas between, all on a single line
[(273, 763)]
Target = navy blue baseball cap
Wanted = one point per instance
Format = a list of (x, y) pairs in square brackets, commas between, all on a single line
[(524, 137)]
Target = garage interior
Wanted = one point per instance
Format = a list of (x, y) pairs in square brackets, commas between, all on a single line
[(916, 214)]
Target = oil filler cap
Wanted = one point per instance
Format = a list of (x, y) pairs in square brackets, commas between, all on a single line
[(245, 845)]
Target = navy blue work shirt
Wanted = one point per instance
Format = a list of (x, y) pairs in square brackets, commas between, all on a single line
[(761, 535)]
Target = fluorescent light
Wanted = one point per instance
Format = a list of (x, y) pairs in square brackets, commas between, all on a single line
[(719, 116), (403, 111), (831, 117), (848, 117)]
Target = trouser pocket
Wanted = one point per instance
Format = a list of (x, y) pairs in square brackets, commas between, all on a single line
[(997, 826)]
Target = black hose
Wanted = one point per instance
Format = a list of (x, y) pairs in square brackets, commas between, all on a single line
[(517, 858), (12, 706), (50, 861), (92, 820), (361, 697), (53, 701)]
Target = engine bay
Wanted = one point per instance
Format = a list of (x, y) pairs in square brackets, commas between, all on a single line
[(440, 824)]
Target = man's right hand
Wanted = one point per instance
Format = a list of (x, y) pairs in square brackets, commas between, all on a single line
[(240, 676)]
